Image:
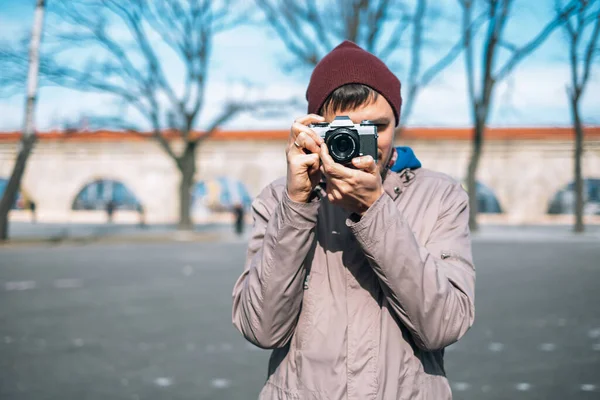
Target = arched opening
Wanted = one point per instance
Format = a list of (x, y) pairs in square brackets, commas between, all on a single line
[(487, 202), (101, 192), (563, 201), (22, 202), (220, 194)]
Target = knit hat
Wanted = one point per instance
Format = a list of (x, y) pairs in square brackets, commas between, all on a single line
[(348, 63)]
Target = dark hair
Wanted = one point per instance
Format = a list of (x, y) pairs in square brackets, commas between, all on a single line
[(349, 97)]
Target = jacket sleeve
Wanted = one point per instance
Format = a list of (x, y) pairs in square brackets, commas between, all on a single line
[(430, 288), (268, 295)]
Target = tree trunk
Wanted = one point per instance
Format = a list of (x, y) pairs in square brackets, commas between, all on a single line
[(28, 135), (187, 167), (579, 195), (472, 173), (12, 188)]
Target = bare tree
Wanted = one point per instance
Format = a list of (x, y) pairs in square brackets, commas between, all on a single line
[(28, 136), (125, 43), (481, 86), (581, 57), (309, 31)]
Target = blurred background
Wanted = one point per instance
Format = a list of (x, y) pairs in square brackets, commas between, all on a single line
[(135, 134)]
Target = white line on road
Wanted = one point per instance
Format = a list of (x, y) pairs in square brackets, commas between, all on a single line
[(594, 333), (190, 347), (220, 383), (523, 386), (188, 270), (69, 283), (163, 382), (461, 386), (496, 347), (19, 285), (587, 387), (547, 347)]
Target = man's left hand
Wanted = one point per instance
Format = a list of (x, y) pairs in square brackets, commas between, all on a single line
[(352, 189)]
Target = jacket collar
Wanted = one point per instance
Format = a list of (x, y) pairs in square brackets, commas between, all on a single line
[(402, 173)]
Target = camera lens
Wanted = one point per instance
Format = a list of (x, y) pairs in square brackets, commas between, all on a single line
[(343, 144)]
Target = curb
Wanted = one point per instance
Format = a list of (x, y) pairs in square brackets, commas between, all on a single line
[(175, 237)]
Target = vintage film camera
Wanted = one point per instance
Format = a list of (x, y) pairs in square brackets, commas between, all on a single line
[(346, 140)]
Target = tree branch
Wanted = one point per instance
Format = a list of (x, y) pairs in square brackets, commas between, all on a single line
[(589, 52), (535, 42)]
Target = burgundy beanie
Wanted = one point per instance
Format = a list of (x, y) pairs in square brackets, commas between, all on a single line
[(348, 63)]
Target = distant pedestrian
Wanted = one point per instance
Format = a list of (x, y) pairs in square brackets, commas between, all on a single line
[(32, 209), (238, 212), (142, 215), (110, 210)]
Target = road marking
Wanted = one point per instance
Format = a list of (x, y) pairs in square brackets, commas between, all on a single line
[(588, 387), (496, 347), (594, 333), (523, 386), (596, 346), (163, 382), (188, 270), (20, 285), (69, 283), (251, 347), (211, 348), (220, 383), (547, 347), (226, 347), (461, 386)]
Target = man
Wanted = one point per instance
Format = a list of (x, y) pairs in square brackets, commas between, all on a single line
[(357, 292)]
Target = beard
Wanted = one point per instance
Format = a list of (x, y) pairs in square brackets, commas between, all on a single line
[(385, 162)]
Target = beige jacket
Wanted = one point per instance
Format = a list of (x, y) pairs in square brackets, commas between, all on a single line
[(359, 310)]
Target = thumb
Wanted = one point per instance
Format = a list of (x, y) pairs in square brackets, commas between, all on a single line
[(365, 163)]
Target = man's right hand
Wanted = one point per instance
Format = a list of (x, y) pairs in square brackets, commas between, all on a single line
[(303, 161)]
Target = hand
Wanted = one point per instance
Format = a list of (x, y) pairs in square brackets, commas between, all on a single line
[(303, 162), (353, 189)]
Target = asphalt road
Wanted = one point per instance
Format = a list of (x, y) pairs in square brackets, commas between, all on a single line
[(140, 321)]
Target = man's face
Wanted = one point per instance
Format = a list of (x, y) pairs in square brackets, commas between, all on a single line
[(380, 112)]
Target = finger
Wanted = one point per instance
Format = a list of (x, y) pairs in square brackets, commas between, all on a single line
[(298, 128), (365, 163), (305, 141), (309, 119), (332, 168), (308, 160)]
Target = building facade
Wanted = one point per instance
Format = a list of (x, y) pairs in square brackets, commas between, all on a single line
[(524, 169)]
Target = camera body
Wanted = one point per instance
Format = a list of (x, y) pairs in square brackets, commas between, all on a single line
[(347, 140)]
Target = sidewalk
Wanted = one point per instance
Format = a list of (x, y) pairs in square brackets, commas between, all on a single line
[(536, 233), (24, 233)]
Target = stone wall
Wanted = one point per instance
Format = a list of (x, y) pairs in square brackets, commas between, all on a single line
[(524, 174)]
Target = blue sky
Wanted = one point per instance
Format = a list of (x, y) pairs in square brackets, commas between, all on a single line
[(534, 95)]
